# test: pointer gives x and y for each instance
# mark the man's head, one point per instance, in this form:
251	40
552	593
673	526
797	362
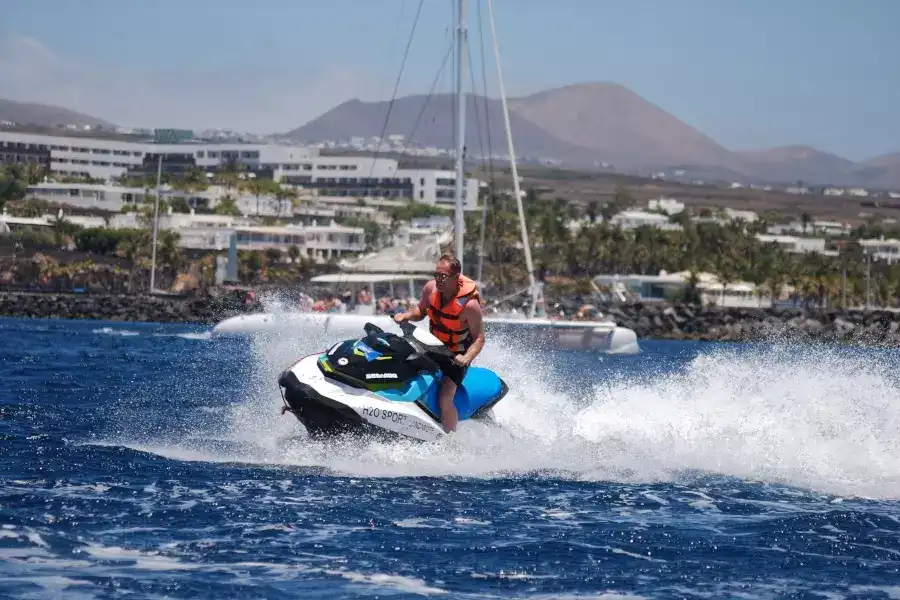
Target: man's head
446	273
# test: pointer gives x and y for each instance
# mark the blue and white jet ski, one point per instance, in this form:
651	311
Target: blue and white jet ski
382	383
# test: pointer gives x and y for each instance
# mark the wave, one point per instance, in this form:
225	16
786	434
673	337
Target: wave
114	331
821	418
198	335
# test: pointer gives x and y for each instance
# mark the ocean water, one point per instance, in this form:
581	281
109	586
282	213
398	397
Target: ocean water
150	461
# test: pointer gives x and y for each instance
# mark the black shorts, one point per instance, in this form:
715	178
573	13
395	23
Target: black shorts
450	369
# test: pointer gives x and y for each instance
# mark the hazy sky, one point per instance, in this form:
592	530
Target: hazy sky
748	73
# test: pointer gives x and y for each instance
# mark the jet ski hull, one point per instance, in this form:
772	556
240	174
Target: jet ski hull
320	415
327	407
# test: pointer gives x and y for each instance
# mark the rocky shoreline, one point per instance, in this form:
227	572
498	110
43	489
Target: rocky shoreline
683	322
649	321
115	307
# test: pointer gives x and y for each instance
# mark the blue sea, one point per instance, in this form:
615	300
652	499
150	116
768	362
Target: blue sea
151	461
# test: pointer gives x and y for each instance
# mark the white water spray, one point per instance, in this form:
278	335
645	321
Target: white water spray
821	418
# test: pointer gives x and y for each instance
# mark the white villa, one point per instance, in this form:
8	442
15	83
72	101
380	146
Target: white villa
213	232
798	245
880	249
821	227
664	286
115	198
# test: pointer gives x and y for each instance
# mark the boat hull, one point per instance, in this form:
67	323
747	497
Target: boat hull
571	335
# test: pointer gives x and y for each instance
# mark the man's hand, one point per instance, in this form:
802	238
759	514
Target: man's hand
401	317
462	360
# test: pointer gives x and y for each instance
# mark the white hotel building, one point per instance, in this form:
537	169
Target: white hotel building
113	198
325	176
213	233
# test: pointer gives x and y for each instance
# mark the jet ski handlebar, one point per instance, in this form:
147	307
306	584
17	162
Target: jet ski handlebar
409	329
422	349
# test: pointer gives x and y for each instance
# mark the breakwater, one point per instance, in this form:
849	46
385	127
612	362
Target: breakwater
685	322
649	321
113	307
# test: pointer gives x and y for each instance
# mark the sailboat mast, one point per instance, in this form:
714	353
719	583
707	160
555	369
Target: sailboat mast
461	39
512	165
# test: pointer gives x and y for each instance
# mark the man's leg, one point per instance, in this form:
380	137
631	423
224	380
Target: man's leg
449	415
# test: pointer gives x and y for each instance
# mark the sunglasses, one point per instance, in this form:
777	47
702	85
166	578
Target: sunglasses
439	277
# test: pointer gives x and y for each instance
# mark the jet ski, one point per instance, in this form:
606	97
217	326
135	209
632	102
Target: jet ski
383	384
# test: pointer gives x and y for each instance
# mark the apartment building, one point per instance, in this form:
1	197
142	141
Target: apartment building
303	167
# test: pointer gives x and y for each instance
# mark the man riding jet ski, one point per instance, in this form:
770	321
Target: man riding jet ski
451	303
383	383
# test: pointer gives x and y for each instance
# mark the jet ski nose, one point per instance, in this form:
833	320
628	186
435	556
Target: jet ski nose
283	378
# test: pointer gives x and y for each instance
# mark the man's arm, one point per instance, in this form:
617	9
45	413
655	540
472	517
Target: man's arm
418	312
471	315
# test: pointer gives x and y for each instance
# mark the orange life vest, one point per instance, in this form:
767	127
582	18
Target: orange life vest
444	319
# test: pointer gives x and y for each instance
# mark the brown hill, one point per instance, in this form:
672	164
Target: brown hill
44	115
430	122
579	124
619	124
879	172
585	123
789	164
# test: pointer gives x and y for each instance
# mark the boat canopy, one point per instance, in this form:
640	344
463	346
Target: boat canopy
370	277
415	258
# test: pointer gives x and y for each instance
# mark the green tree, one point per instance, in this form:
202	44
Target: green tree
227	206
13	183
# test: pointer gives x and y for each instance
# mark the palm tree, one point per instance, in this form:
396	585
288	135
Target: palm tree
805	219
227	206
251	266
34	173
282	195
230	175
13	183
62	228
273	256
195	180
168	254
258	187
133	247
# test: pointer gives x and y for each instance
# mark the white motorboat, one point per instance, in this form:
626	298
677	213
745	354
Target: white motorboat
599	336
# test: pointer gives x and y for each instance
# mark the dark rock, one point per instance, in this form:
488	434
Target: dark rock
649	321
110	307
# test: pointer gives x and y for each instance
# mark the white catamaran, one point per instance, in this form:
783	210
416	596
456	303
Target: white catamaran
410	267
